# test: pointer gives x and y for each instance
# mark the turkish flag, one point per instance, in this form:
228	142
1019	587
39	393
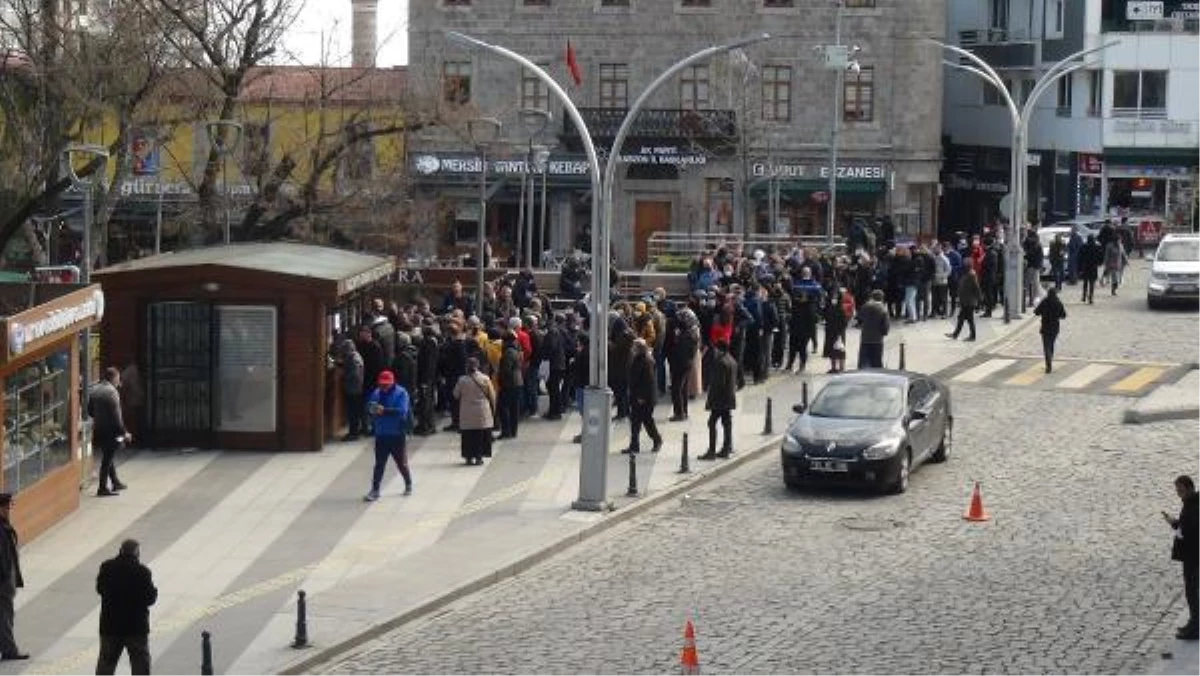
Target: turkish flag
573	65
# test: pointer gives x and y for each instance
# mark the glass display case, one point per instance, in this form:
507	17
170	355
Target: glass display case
37	428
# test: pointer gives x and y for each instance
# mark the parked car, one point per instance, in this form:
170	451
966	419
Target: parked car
869	427
1175	271
1083	225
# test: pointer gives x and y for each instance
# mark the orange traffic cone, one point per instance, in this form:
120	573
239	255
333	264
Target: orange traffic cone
976	511
689	661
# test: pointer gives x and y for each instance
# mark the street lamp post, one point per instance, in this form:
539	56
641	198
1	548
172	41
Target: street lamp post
541	164
1020	116
838	59
86	184
535	121
219	134
593	466
483	132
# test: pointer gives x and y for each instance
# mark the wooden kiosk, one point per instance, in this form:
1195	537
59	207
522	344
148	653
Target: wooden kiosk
231	343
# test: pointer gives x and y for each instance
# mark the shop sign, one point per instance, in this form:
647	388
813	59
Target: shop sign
36	327
849	172
664	155
366	277
1090	164
956	182
1147	171
1150	126
150	187
429	164
1154	10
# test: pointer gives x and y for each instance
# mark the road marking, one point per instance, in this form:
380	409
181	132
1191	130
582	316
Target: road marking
1139	379
1029	376
984	370
1084	376
1094	360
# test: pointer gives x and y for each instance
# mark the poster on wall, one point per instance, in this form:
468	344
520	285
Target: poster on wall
720	205
143	147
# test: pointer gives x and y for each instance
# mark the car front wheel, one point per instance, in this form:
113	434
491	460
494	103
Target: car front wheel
943	449
901	484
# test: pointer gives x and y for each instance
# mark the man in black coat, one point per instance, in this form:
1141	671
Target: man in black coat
10	582
643	395
1186	550
126	591
722	400
554	352
428	351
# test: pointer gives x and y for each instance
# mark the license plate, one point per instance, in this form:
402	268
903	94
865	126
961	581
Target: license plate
1185	288
828	466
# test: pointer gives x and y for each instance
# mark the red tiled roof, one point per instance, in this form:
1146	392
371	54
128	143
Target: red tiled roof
308	83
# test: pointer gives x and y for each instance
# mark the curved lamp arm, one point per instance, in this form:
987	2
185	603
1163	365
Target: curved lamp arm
992	76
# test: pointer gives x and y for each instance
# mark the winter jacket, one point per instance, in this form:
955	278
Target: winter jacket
127	591
722	383
396	412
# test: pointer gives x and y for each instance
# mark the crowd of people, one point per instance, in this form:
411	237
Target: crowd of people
488	366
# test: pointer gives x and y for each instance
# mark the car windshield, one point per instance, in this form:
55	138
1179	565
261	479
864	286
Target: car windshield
1047	236
868	401
1182	250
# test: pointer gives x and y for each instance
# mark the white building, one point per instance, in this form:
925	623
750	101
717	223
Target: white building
1120	138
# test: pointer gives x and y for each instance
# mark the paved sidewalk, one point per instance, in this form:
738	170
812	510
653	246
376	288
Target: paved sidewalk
231	537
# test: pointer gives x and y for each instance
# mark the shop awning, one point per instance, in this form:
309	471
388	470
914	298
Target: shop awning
1161	157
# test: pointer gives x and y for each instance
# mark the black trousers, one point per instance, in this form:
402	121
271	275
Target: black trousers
554	386
425	396
356	414
642	415
111	648
510	410
108	469
870	356
779	345
1190	572
726	418
680	373
1089	290
966	314
939	299
799	339
1048	347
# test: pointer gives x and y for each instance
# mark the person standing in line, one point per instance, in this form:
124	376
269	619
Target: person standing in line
390	406
875	327
642	398
683	345
1091	257
127	591
352	389
108	429
509	379
1052	312
1033	266
476	413
941	280
10	581
722	400
1185	550
969	296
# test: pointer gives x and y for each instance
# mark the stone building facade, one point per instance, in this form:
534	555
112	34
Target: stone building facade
712	147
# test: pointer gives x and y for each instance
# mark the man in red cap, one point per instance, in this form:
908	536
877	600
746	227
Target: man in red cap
388	405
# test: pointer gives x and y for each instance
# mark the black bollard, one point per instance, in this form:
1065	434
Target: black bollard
902	360
683	459
301	621
804	393
206	665
633	487
767	428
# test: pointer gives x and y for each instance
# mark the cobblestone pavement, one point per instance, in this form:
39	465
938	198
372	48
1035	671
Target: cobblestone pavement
1121	326
1071	575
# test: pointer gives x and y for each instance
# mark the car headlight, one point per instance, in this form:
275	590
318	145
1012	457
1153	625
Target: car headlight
791	445
881	450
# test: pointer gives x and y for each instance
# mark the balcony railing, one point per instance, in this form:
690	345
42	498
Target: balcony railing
1166	25
1140	113
991	36
659	123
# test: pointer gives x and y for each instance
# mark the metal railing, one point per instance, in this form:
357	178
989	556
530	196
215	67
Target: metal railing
679	248
659	123
1140	113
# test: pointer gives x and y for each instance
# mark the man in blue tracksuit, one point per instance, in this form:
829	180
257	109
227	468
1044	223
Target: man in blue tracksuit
388	405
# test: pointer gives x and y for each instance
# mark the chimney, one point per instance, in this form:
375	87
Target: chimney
363	33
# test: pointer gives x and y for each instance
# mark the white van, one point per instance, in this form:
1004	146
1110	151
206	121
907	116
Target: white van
1175	272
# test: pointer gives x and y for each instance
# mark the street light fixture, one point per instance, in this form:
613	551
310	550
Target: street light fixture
90	153
483	131
224	136
593	466
535	121
541	164
1020	115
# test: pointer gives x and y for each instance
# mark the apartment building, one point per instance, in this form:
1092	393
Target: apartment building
711	147
1120	138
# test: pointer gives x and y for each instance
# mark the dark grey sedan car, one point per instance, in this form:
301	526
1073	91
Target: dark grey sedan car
869	427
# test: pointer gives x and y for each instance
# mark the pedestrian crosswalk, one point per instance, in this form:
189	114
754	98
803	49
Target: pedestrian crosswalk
1121	378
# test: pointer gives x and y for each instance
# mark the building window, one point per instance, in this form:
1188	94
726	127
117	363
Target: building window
693	88
456	82
998	14
1059	16
1095	92
456	3
695	3
536	3
991	95
777	93
1065	86
858	96
37	421
1140	93
614	3
614	85
534	93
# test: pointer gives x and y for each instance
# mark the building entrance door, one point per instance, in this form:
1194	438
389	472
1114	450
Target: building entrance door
180	374
649	218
